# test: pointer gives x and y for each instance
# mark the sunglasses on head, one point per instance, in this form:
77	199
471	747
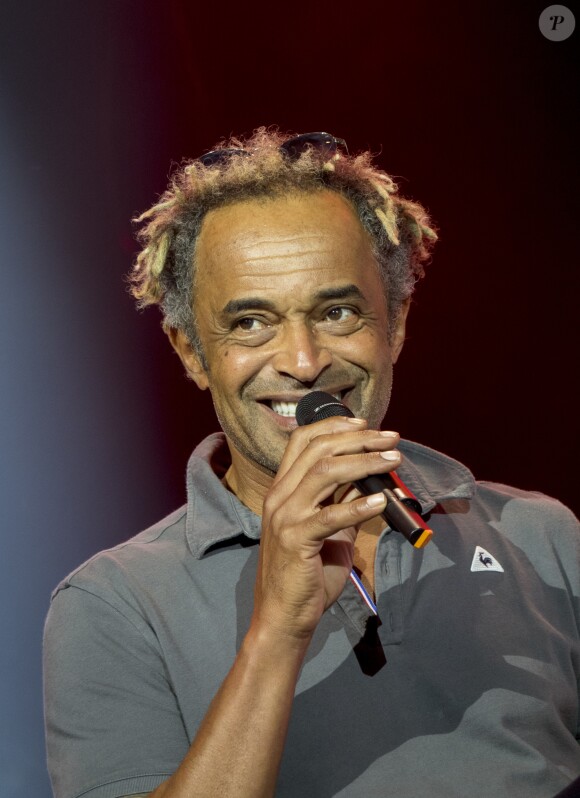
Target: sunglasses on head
324	143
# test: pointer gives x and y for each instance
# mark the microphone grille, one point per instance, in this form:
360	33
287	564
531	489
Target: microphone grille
318	405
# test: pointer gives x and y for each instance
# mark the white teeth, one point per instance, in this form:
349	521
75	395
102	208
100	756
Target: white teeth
284	408
288	409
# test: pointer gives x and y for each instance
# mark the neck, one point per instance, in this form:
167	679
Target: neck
247	480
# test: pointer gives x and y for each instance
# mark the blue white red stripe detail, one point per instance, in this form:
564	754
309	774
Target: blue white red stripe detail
363	591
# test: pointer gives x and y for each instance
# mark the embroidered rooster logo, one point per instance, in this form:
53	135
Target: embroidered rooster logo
483	561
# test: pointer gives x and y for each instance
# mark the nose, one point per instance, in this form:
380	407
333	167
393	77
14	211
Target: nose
300	354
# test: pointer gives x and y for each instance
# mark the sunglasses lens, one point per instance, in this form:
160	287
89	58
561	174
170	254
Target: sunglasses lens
324	143
220	156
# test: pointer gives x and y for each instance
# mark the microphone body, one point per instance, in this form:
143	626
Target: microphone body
402	511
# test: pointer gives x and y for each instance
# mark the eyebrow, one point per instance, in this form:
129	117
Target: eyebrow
350	291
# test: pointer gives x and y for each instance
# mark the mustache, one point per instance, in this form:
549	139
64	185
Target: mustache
262	387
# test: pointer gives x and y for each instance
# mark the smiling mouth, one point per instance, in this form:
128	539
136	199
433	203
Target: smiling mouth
288	409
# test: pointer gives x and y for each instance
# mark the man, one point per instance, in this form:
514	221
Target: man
191	661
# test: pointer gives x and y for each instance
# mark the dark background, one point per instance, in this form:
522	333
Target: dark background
469	105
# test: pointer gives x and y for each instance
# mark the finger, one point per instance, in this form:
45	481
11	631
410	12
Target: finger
346	494
322	479
335	517
328	445
301	437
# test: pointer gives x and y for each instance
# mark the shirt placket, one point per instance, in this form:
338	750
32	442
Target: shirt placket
389	588
388	592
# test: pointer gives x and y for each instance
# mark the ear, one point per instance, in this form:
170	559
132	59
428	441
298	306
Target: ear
188	357
398	337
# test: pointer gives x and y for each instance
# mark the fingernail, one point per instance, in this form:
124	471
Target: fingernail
388	433
356	420
390	455
375	500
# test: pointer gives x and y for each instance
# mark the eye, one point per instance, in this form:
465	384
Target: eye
341	313
250	324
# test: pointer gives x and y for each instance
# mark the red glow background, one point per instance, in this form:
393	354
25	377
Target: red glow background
469	105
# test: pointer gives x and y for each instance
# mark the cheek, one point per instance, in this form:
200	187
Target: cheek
367	349
236	368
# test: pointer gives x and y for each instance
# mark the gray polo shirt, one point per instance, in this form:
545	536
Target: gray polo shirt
466	685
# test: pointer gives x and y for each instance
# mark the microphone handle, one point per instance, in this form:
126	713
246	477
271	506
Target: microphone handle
399	512
402	508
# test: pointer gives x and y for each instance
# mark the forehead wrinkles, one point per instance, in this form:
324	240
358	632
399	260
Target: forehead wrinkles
281	241
307	216
253	247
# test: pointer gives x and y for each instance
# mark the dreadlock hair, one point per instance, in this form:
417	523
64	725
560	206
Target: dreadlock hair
400	231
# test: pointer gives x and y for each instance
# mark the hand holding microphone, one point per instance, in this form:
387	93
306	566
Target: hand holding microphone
307	542
402	509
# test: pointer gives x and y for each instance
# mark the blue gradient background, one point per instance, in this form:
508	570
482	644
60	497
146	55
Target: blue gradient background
98	98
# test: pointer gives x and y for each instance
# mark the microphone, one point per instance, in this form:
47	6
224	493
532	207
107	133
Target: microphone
402	511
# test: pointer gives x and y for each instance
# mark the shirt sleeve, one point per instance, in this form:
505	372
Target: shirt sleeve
113	725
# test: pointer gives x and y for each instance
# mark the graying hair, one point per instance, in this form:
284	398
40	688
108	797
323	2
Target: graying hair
400	231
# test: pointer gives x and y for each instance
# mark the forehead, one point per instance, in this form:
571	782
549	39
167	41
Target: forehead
283	237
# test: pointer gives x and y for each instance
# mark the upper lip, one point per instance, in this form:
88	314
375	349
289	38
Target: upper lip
290	397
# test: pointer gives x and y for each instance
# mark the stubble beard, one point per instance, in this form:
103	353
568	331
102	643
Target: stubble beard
270	463
374	410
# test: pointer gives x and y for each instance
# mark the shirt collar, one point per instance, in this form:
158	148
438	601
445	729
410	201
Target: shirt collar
432	476
215	515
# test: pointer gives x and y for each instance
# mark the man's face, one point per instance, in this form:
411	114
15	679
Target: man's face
288	300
